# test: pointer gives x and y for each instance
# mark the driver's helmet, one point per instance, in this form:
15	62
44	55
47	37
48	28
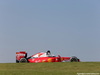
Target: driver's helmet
48	52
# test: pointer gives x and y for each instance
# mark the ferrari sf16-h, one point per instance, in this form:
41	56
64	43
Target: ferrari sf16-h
21	57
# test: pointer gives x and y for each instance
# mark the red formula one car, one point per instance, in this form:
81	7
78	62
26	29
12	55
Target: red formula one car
21	57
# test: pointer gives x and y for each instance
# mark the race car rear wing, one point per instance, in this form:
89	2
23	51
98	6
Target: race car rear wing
19	55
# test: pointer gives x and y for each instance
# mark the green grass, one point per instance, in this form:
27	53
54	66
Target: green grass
65	68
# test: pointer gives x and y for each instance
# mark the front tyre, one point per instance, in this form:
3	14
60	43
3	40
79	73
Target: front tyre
74	59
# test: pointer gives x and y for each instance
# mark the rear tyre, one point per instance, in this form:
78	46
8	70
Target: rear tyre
23	60
74	59
17	61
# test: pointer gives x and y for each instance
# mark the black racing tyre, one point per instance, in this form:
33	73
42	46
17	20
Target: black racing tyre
17	61
74	59
23	60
